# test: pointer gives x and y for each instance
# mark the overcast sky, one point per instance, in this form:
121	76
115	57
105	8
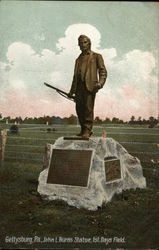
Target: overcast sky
39	43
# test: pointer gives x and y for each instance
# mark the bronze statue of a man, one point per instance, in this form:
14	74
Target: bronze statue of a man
89	76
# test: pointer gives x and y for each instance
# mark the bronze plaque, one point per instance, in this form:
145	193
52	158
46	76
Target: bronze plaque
70	167
112	170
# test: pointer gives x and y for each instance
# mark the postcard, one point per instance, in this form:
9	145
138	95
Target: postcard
79	124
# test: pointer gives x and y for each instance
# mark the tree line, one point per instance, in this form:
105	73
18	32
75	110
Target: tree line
72	119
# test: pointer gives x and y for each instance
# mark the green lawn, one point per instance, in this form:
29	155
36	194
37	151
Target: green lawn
132	214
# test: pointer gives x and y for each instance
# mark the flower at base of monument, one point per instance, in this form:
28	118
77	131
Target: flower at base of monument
104	135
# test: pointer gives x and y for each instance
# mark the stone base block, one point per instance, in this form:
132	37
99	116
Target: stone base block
88	173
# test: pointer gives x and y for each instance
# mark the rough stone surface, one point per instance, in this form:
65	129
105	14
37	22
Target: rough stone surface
98	190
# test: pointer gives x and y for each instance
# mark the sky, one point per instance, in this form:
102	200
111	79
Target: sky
39	43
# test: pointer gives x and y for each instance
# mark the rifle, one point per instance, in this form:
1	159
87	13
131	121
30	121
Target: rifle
61	92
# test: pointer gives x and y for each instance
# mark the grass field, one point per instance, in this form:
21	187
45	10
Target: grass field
132	214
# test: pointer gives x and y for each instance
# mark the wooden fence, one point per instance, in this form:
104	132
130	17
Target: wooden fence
3	139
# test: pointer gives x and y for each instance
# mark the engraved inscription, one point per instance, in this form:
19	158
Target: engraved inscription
70	167
112	170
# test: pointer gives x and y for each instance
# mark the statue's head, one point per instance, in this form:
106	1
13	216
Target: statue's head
84	43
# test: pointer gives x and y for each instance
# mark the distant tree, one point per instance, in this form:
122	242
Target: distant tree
18	120
152	122
41	120
58	120
35	120
29	120
121	121
47	120
144	121
8	118
132	120
72	119
97	120
53	119
151	119
107	120
139	121
64	120
115	120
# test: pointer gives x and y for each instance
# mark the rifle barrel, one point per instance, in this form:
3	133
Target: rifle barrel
58	90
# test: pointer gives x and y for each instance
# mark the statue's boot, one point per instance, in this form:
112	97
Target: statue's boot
87	134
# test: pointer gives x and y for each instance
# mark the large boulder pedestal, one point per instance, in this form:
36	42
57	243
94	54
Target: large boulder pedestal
102	169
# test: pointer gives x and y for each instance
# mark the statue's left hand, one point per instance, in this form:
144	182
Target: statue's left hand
97	87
